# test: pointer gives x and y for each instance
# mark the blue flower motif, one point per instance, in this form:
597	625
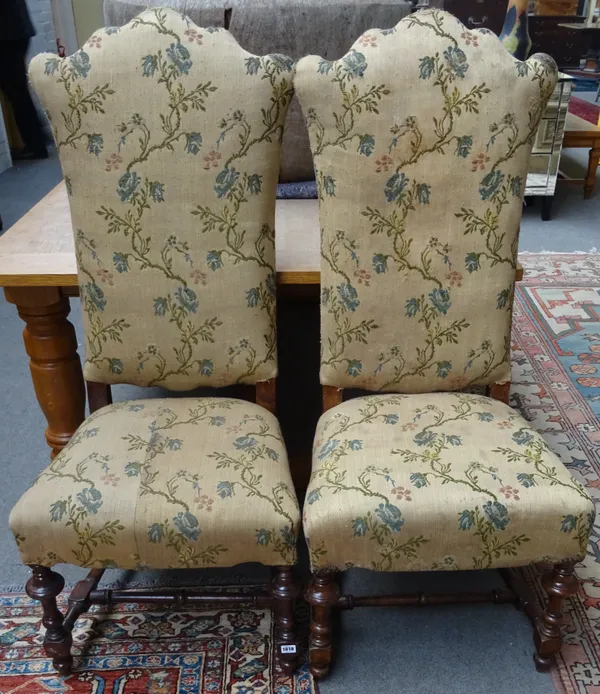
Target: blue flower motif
254	184
225	181
160	306
282	62
423	193
419	480
263	537
288	537
245	443
91	499
180	57
213	260
224	489
187	298
216	421
132	469
466	520
485	416
253	297
443	369
440	300
328	448
328	185
80	63
360	527
348	296
502	299
51	66
354	367
526	479
497	514
157	192
424	438
188	525
313	496
271	284
454	440
95	296
413	306
355	445
128	185
206	367
426	67
463	146
390	418
391	516
568	524
324	67
91	433
272	454
58	510
120	262
522	437
354	63
95	144
472	262
490	184
456	60
115	366
149	65
156	532
252	65
380	263
395	187
174	444
193	143
366	145
522	69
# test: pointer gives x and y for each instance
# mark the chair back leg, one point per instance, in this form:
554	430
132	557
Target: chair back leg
285	589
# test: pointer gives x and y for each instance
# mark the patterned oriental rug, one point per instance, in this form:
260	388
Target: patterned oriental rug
556	385
132	649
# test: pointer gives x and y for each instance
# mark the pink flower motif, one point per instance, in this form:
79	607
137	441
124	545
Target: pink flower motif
509	492
363	277
198	276
470	38
480	161
235	429
212	159
113	161
110	478
105	276
203	501
194	35
383	163
409	426
454	278
503	425
402	493
94	41
368	40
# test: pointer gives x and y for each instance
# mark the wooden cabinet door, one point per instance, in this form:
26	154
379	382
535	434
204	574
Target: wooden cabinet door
479	14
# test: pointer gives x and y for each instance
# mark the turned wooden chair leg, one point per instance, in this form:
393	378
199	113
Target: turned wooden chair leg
44	585
322	594
560	584
284	591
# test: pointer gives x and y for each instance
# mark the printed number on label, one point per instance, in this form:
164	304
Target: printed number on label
288	648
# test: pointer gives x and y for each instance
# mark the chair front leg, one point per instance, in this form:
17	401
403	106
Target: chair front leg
44	585
560	584
284	591
322	594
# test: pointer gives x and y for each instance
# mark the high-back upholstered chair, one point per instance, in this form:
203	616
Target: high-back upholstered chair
421	137
169	140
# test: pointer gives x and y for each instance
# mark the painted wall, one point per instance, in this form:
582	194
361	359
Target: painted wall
88	17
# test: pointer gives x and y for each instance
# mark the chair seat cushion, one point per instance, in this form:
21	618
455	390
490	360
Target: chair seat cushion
438	482
177	482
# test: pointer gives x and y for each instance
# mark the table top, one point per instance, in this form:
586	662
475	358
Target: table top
580	26
575	123
39	249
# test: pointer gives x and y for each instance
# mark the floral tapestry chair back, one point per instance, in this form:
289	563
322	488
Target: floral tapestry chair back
169	140
421	137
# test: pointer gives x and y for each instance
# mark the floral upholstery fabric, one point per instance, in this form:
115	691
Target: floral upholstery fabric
164	483
421	137
438	482
169	138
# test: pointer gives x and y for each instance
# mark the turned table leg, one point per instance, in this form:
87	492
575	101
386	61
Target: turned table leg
55	367
590	179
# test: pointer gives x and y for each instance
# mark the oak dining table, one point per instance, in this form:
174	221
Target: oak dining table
39	275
